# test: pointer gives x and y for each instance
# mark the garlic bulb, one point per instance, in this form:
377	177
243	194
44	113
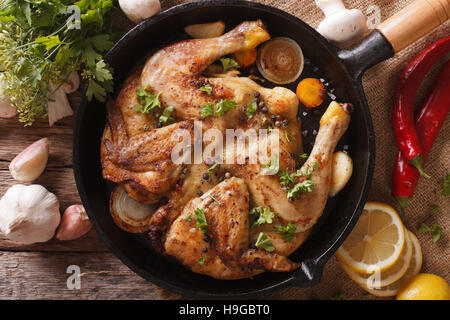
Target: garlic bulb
138	10
28	165
29	214
74	224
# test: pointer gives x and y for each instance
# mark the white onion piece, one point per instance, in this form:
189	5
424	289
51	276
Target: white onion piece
280	60
128	214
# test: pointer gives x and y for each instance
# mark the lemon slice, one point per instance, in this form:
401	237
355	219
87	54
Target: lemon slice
379	279
377	240
413	269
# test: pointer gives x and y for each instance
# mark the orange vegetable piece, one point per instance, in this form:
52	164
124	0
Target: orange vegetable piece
246	58
311	92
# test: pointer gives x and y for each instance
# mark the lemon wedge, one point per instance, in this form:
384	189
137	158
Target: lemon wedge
376	240
378	279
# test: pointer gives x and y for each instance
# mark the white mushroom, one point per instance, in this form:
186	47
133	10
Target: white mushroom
28	214
28	165
341	26
138	10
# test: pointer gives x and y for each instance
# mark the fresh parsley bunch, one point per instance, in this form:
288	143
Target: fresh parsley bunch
40	46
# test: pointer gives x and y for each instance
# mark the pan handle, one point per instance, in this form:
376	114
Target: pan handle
414	21
394	34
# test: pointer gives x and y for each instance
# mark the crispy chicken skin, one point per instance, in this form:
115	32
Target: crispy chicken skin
140	159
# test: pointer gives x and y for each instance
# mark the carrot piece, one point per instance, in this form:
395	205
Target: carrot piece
246	58
311	92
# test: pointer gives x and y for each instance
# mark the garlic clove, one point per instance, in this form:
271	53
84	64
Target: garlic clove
72	84
74	224
342	169
28	165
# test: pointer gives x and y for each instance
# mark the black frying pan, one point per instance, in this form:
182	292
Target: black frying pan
343	68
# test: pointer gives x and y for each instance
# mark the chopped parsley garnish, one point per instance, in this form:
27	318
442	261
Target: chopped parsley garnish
435	231
200	219
287	179
264	242
215	200
289	231
251	109
445	186
212	169
224	105
202	260
288	135
306	186
206	88
262	215
188	218
147	101
229	63
207	110
303	156
273	167
166	116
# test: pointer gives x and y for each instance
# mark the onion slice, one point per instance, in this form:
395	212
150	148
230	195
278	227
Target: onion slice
128	214
280	60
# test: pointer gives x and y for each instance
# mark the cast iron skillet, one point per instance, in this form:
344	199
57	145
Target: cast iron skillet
344	68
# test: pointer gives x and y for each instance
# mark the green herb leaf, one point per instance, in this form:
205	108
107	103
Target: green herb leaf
273	168
423	228
200	219
303	156
306	186
212	169
286	179
445	186
229	63
215	200
264	242
251	109
289	231
147	101
206	88
207	110
224	105
202	260
263	215
102	71
188	218
436	232
48	42
166	116
435	208
95	90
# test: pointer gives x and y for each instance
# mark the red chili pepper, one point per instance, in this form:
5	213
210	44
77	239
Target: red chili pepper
403	111
429	120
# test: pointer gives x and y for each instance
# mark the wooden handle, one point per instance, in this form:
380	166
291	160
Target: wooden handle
414	21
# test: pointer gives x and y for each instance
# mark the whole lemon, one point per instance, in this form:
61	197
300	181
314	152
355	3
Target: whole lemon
424	286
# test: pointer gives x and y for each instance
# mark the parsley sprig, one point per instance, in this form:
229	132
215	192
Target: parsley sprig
435	231
39	49
218	109
264	242
288	231
200	219
261	215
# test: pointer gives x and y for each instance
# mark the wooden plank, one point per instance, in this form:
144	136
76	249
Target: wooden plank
42	275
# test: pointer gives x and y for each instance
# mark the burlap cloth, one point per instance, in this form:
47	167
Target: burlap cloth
379	83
